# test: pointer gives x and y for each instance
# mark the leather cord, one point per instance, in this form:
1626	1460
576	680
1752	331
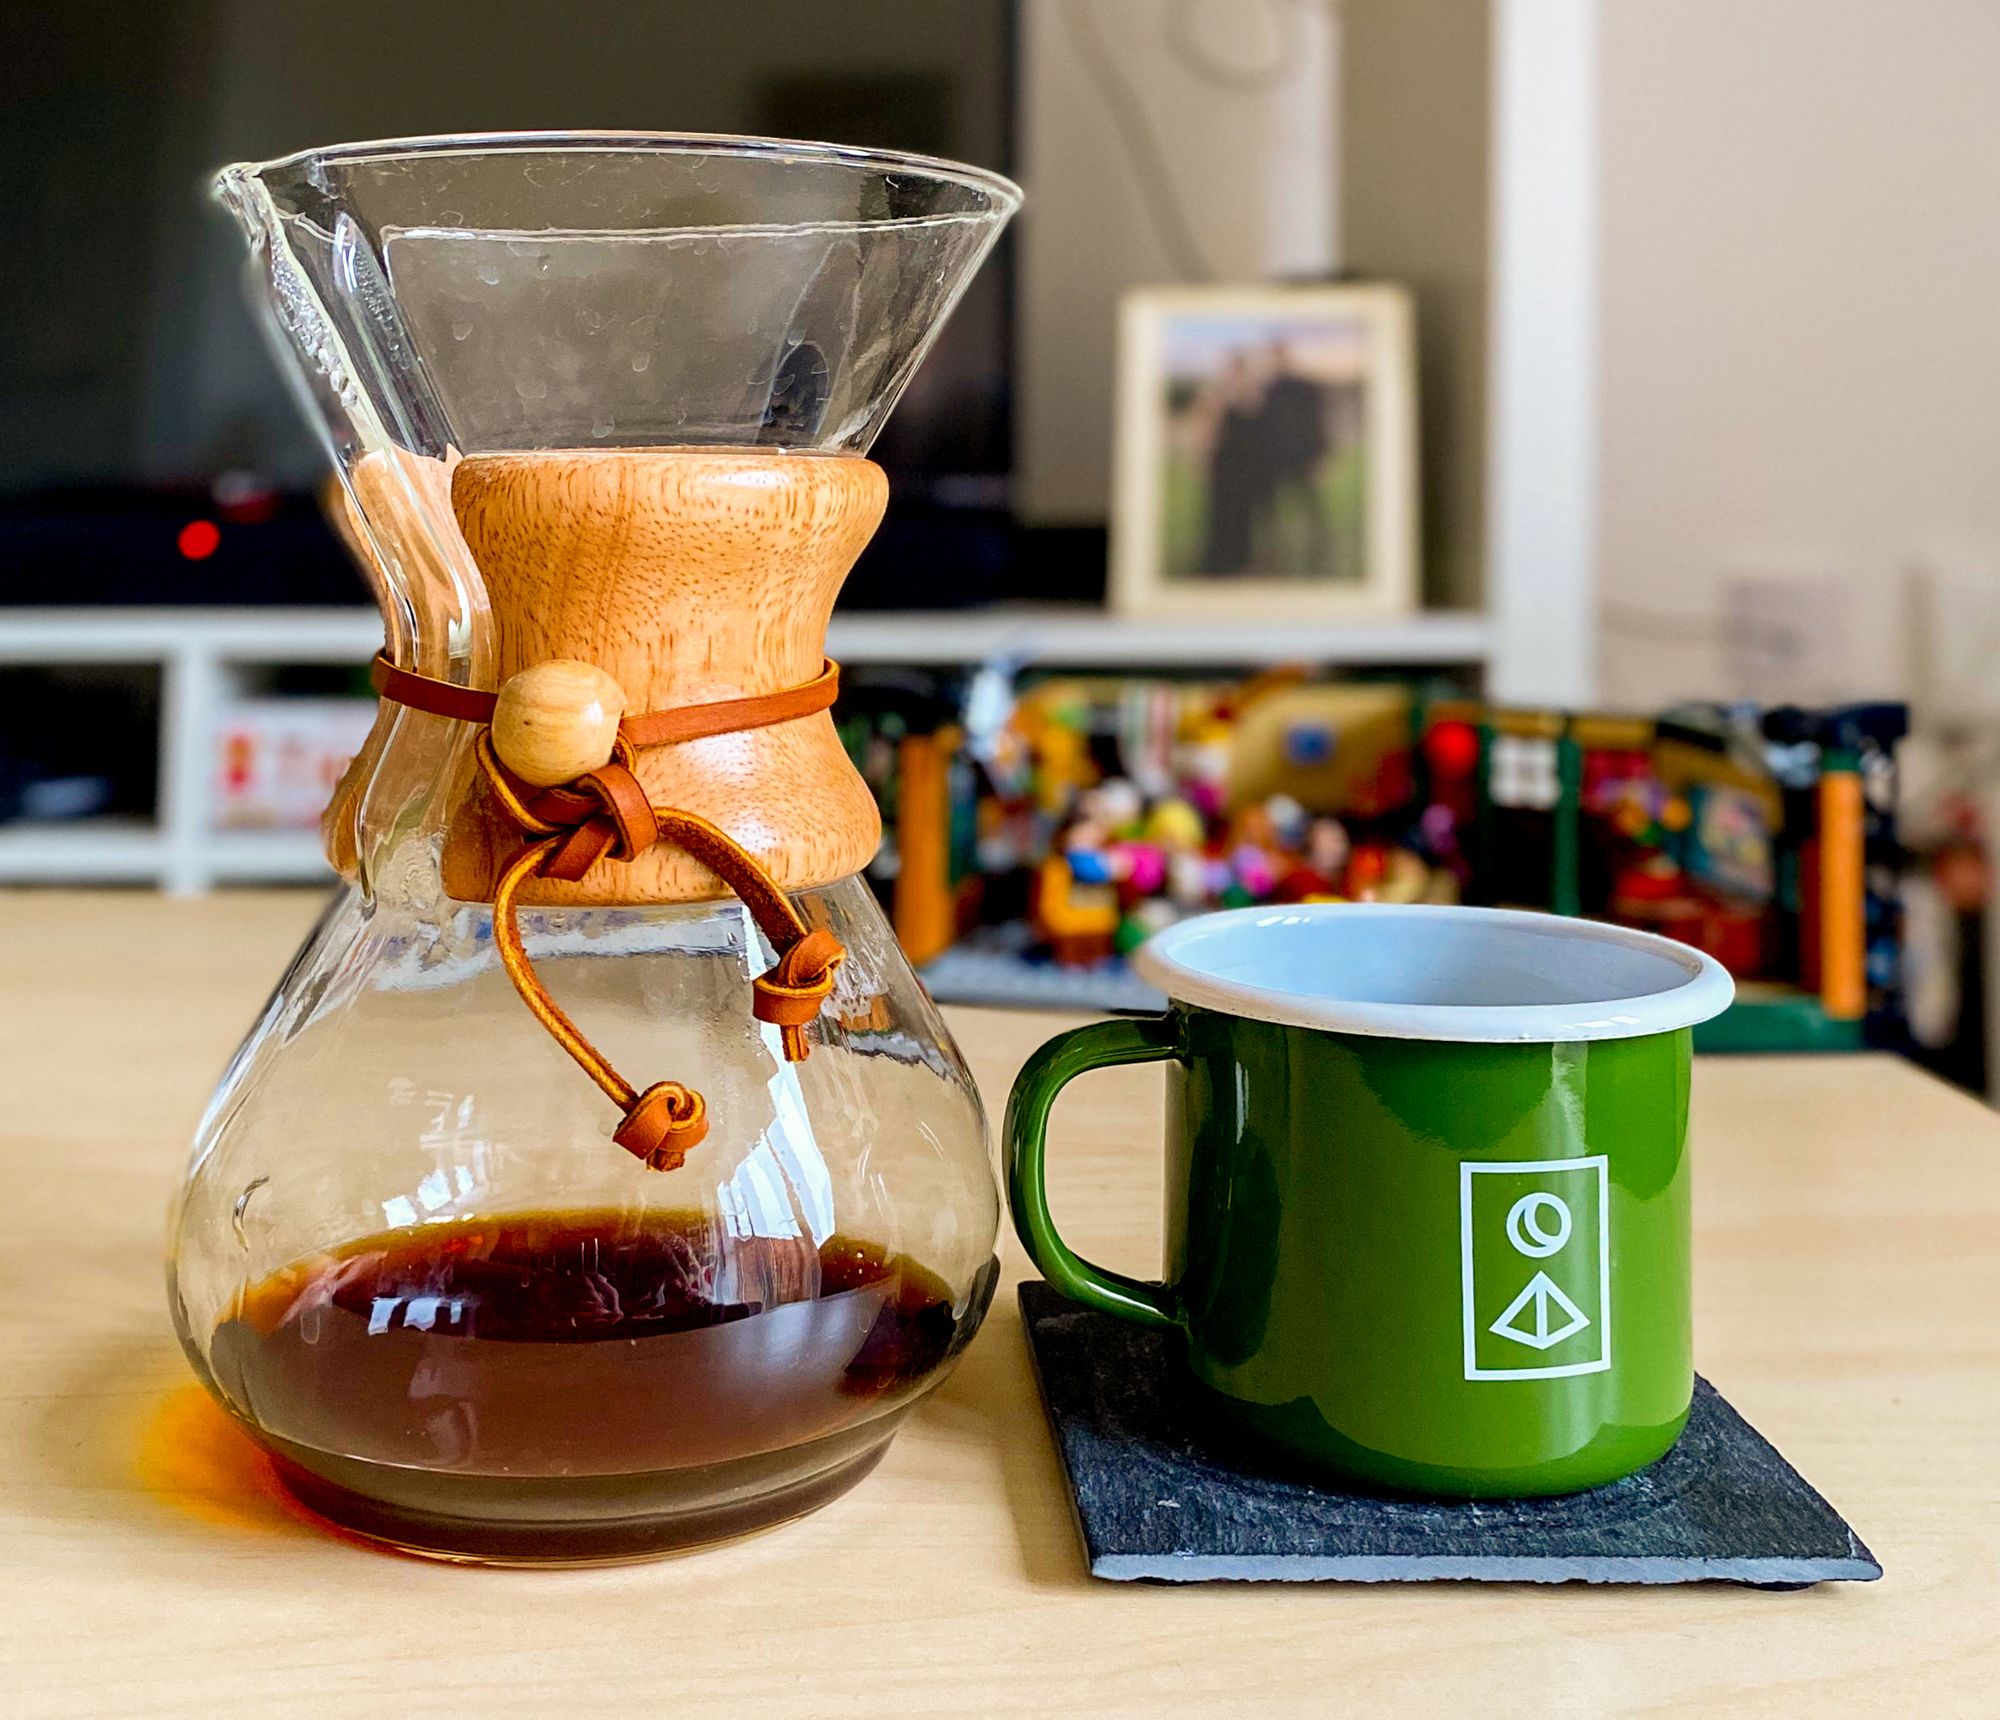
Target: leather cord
607	814
669	727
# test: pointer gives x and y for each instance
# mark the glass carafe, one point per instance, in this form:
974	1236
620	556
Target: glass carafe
604	401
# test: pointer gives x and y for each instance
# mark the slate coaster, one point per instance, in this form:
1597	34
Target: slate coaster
1156	1502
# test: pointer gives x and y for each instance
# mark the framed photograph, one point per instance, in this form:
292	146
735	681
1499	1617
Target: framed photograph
1266	460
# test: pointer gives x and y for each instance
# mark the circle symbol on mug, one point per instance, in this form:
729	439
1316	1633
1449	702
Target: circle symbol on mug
1526	1228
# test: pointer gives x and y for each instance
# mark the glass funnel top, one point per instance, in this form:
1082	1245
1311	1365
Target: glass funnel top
488	294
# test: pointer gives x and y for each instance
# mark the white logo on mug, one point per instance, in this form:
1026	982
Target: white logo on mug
1535	1259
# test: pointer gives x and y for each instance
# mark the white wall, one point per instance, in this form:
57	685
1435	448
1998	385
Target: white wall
1414	120
1141	118
1800	320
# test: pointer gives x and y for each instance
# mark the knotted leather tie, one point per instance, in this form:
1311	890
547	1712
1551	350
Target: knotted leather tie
607	814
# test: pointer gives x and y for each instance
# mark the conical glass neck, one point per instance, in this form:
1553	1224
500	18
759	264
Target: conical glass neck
519	291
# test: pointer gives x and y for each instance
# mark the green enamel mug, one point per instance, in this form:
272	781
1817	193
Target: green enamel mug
1427	1187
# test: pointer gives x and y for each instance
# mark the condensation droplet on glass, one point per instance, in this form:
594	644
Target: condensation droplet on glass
490	273
532	388
461	328
601	428
640	360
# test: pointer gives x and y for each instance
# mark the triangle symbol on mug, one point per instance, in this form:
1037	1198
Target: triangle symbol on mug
1541	1316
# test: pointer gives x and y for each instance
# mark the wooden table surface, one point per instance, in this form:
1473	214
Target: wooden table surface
1848	1249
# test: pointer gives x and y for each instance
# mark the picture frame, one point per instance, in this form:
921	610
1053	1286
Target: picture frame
1265	459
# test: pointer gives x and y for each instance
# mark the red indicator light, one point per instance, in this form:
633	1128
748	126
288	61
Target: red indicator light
1453	749
198	540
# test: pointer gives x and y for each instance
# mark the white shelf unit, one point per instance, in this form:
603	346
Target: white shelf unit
201	651
1090	638
198	652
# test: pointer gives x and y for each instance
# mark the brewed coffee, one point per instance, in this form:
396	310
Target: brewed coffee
558	1375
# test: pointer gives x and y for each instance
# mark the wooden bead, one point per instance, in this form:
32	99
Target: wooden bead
557	721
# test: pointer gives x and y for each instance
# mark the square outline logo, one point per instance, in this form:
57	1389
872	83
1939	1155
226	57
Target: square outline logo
1467	1170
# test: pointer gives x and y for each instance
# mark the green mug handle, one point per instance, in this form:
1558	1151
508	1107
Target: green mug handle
1151	1039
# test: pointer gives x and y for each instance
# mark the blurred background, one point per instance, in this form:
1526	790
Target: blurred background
1693	421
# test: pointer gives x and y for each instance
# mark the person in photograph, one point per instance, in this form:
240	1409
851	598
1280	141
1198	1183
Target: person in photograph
1290	429
1237	483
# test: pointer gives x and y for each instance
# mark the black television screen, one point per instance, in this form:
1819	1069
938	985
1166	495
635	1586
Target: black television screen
137	396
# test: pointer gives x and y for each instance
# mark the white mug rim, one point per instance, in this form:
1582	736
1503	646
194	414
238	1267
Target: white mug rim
1698	987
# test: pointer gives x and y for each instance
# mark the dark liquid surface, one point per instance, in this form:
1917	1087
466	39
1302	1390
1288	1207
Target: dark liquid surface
582	1384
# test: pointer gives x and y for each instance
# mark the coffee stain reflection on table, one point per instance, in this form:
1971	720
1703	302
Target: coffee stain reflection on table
193	1458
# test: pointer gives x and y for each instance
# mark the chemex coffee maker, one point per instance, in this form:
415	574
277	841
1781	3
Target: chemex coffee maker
599	1180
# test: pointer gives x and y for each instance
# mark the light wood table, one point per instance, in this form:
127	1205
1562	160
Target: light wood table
1848	1242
